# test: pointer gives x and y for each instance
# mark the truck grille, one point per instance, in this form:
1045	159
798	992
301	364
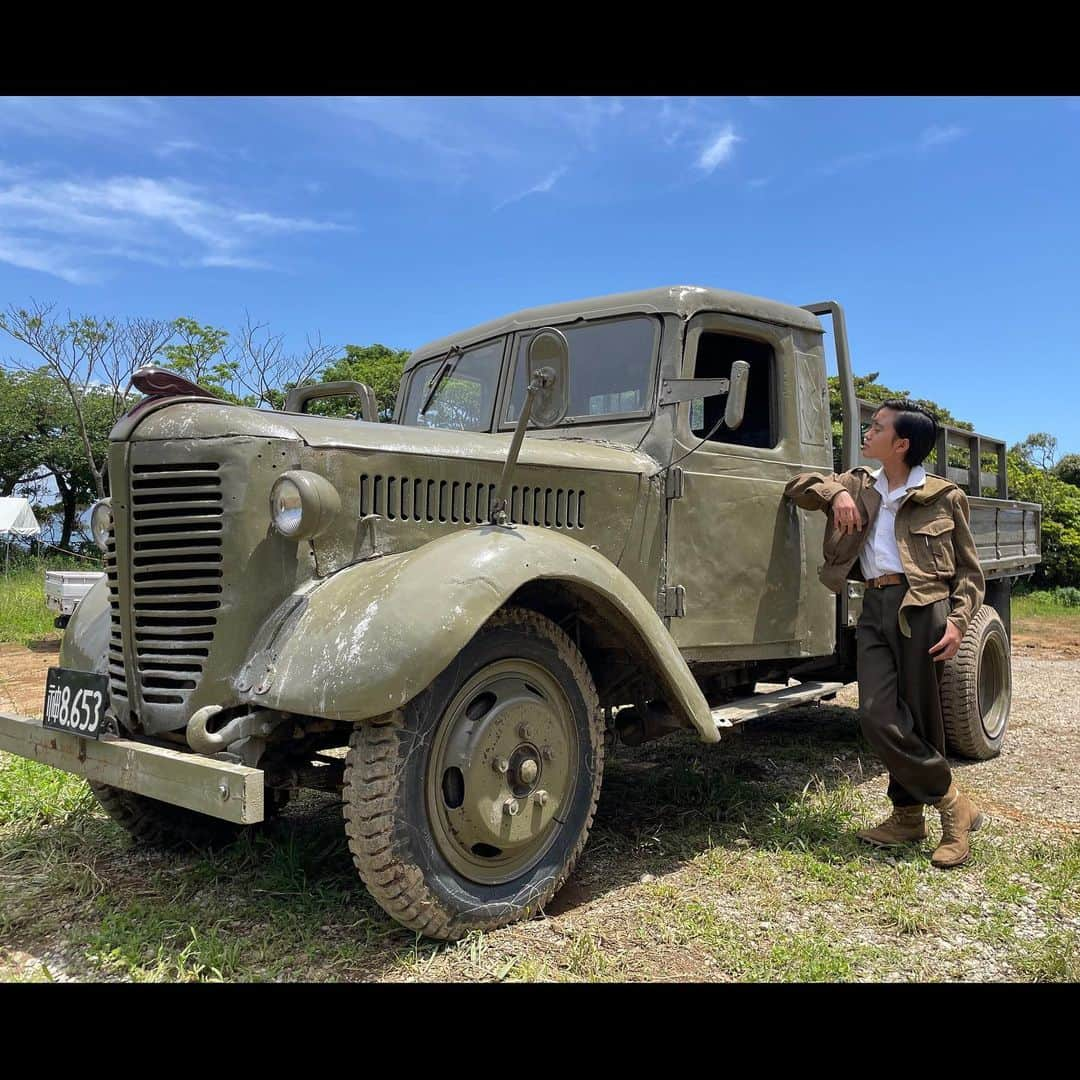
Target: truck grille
176	577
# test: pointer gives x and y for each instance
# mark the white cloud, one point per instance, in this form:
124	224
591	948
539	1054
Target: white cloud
162	222
540	188
936	136
719	149
178	146
933	136
759	182
46	259
80	117
675	118
493	143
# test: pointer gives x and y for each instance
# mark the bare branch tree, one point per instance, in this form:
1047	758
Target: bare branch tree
87	356
266	371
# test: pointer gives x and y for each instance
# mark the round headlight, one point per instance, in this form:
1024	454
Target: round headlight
286	507
101	521
303	504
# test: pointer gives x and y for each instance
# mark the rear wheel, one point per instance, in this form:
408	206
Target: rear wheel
467	808
976	689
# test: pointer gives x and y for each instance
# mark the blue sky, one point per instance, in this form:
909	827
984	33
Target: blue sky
949	228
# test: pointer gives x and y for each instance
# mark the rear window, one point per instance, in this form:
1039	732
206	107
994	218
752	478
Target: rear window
611	365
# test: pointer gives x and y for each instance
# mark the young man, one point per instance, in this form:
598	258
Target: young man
908	533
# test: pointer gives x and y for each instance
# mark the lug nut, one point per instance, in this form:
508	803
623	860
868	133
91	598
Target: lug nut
500	764
523	731
511	807
541	797
529	770
546	753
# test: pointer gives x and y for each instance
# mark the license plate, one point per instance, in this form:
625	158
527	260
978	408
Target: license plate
75	701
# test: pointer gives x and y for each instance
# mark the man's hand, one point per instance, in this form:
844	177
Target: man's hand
846	516
949	645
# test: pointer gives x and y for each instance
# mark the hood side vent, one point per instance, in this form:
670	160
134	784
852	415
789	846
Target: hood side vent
456	502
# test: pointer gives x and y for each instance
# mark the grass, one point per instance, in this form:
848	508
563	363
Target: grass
24	618
781	894
729	864
1036	605
23	615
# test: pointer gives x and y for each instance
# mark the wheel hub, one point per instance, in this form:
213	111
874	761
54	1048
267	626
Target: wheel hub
501	769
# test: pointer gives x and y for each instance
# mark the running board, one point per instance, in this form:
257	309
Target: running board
735	712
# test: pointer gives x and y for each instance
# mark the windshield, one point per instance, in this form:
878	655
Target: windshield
465	399
610	369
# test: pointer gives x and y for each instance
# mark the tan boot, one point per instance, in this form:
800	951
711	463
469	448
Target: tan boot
903	826
959	818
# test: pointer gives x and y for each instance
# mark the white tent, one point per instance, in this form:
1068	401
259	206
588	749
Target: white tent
17	519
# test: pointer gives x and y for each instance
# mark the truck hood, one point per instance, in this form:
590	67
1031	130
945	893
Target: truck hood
187	418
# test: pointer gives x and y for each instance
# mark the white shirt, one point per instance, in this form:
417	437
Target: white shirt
880	555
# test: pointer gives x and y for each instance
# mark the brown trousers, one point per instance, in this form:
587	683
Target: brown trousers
899	694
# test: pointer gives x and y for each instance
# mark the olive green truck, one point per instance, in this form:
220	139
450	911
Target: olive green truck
572	531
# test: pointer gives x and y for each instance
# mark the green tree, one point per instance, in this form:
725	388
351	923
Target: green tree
92	359
201	353
869	389
1068	469
43	441
377	365
1039	449
1060	519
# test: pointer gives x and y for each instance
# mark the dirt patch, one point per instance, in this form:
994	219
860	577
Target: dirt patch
1046	637
22	675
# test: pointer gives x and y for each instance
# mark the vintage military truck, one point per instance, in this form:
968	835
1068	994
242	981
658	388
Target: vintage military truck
446	620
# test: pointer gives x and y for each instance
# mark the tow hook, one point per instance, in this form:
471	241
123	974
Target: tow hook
259	722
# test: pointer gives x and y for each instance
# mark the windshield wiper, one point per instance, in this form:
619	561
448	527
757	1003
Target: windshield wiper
440	376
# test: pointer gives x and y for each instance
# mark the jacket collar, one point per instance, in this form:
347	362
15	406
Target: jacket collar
934	486
916	479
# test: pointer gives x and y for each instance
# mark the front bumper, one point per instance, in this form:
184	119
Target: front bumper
216	788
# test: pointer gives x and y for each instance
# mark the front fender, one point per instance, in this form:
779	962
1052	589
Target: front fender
366	640
86	638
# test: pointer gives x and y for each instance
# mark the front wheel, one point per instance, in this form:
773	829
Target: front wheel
160	824
467	808
976	689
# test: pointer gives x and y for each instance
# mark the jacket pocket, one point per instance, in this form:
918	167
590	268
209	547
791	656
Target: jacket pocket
933	545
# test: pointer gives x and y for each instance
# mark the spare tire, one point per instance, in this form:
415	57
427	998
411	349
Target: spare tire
976	689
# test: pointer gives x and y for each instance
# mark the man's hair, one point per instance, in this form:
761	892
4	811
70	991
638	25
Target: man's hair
915	424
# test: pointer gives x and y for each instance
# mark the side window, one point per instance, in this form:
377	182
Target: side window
716	353
611	365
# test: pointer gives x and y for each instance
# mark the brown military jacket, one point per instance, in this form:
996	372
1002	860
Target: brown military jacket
934	539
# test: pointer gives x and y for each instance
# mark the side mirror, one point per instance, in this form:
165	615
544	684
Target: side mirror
736	399
549	358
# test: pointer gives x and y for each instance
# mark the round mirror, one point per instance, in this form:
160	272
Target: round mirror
549	354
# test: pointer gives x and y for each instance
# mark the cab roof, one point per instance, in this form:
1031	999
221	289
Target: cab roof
682	300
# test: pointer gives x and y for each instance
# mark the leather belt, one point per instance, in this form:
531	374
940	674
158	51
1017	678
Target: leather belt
886	579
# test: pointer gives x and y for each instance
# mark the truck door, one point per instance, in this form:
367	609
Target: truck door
746	559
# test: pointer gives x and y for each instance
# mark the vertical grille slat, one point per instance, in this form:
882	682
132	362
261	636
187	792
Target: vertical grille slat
175	577
117	678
